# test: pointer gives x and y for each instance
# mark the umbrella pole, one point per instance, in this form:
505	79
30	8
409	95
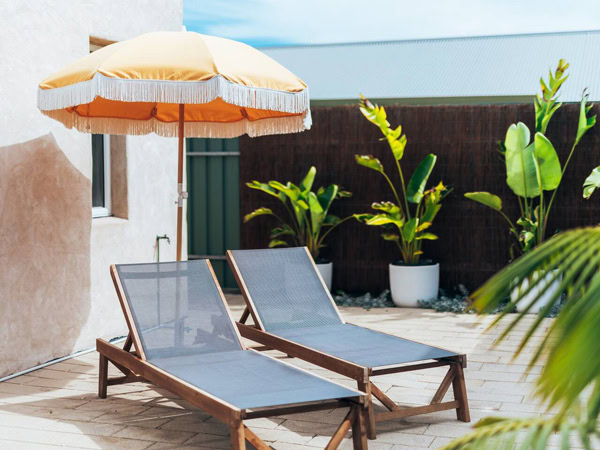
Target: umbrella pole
180	192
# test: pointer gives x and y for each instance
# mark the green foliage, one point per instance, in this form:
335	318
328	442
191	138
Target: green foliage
416	185
309	220
591	183
546	105
533	168
487	199
403	225
501	433
585	122
570	379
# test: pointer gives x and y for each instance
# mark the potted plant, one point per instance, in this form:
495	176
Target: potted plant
533	173
411	277
309	221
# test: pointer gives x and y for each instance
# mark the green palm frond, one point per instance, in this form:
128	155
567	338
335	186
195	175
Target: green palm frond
500	433
570	346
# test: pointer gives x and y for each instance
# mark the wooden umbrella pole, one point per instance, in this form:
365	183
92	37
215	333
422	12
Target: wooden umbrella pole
180	193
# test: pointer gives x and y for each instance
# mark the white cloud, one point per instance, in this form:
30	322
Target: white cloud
322	21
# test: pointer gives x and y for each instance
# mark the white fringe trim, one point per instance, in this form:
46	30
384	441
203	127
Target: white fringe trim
101	125
163	91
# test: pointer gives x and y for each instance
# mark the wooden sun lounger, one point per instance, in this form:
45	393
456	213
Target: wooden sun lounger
304	322
165	348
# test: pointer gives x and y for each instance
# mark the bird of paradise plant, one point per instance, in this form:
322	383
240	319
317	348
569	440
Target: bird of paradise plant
533	167
405	225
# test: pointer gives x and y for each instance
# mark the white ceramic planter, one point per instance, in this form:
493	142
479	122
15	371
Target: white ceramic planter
326	271
412	283
544	299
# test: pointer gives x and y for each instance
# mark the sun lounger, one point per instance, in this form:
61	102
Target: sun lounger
294	312
185	341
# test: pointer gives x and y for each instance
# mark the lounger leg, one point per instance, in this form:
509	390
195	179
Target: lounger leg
366	388
460	394
128	343
103	376
245	315
238	439
359	428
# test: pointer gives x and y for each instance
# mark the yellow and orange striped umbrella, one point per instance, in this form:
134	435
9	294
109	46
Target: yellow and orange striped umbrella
177	84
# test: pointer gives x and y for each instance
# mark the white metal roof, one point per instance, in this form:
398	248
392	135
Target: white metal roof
486	66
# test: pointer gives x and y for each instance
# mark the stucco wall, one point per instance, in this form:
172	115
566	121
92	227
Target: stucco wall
38	37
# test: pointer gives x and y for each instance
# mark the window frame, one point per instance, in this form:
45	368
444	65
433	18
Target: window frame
104	211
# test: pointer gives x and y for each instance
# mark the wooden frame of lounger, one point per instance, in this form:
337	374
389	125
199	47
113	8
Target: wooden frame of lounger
135	368
454	377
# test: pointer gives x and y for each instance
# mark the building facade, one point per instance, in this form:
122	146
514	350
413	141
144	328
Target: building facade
56	295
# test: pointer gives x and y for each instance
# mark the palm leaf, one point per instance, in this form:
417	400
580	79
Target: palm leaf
570	345
574	336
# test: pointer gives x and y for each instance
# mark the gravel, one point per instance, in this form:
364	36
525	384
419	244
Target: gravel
455	300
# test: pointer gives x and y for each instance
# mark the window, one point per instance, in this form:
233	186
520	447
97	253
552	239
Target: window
100	175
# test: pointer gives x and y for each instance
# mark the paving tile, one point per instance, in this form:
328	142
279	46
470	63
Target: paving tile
209	440
213	427
165	446
18	409
373	445
519	368
523	408
88	428
187	422
40	402
16	445
287	446
58	405
402	426
68	439
153	434
406	439
305	427
23	421
333	417
137	420
449	430
439	442
493	397
266	422
500	387
66	414
114	407
479	375
284	435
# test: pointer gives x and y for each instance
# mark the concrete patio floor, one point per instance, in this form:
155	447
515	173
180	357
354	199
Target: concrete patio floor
58	405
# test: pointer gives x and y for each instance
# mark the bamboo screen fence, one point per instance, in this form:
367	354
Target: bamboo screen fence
474	240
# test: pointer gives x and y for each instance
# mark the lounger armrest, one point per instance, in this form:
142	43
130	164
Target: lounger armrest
341	366
192	394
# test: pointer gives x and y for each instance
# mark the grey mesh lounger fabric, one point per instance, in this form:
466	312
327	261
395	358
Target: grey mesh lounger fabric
185	329
291	302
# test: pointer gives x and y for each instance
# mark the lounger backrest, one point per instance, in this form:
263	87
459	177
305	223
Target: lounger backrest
284	288
177	309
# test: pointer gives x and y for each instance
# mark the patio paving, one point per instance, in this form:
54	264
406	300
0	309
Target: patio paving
58	405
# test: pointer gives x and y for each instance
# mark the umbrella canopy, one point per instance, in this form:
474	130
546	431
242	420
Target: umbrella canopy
177	84
134	87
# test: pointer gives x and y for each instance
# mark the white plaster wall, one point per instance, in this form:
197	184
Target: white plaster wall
152	183
37	37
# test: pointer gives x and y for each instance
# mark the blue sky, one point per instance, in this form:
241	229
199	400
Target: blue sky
291	22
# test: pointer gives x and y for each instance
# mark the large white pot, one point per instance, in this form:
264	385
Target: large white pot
544	299
412	283
326	271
